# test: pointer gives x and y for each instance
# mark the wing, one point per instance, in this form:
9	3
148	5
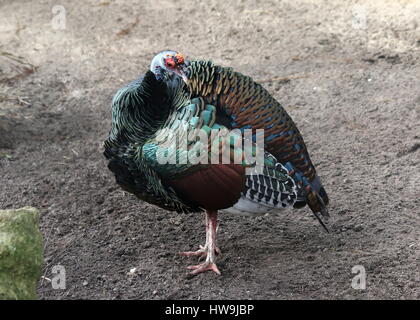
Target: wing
182	153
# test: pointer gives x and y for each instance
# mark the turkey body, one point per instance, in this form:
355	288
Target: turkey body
151	114
146	107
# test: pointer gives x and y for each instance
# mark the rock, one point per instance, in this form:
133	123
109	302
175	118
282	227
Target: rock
21	251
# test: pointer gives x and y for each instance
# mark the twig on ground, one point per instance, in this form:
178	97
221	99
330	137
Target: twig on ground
127	30
21	100
283	79
17	64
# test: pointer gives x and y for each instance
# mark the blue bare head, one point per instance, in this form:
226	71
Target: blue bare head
169	61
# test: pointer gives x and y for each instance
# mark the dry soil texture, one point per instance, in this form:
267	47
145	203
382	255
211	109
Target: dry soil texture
353	90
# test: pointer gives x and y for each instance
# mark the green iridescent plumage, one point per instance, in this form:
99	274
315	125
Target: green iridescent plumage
138	112
170	150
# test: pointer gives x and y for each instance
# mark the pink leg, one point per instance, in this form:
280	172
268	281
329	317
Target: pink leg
202	252
209	250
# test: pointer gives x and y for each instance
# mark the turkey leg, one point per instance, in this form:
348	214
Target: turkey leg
209	250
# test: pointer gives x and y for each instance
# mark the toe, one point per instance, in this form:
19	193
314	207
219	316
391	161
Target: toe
193	253
204	267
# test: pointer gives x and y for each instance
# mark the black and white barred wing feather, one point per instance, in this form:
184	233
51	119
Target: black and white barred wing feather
268	188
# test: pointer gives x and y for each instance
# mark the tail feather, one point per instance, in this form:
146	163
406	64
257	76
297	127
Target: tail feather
318	201
323	194
321	221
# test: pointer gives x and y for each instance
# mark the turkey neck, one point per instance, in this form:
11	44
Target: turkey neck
139	110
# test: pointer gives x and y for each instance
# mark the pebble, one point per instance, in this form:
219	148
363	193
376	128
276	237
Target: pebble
358	228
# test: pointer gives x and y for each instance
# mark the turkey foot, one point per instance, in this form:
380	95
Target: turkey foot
209	250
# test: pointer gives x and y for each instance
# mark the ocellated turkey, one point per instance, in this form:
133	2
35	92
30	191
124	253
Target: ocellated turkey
177	96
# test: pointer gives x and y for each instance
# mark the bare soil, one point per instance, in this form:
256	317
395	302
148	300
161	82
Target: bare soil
350	83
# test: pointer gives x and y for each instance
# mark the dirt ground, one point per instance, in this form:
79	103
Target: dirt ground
352	86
